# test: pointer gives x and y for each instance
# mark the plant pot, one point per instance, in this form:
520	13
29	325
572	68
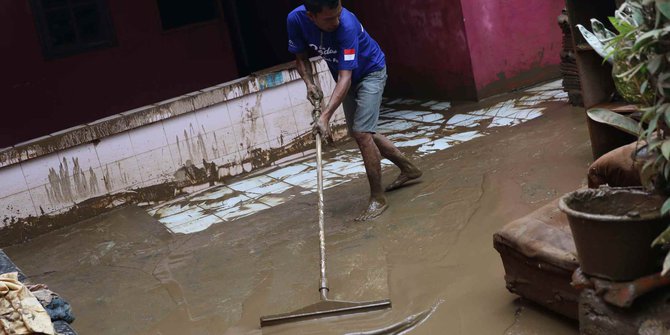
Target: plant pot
613	229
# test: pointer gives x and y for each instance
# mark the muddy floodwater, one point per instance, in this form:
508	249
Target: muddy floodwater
431	252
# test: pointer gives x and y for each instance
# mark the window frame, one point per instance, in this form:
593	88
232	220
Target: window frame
108	34
217	17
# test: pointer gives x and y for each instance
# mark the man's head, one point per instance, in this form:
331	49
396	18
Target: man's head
324	13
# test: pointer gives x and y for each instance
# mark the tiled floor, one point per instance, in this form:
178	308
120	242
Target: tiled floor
429	129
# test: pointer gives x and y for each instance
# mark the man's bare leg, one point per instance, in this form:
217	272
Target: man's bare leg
372	159
408	171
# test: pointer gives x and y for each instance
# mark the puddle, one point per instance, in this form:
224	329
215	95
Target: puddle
239	251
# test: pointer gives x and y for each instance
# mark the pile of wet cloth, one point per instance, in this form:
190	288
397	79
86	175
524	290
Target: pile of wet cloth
29	309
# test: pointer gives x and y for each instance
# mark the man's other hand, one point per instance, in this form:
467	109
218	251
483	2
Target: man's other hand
322	127
314	95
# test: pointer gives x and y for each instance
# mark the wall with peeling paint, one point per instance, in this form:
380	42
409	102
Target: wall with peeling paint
464	50
146	65
425	45
512	43
199	138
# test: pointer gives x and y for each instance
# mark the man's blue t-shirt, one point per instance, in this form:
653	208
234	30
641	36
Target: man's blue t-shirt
349	47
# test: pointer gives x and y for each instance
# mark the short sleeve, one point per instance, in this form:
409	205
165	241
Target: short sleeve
348	41
296	42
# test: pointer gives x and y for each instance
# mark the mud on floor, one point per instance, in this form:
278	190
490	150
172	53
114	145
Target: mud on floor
430	253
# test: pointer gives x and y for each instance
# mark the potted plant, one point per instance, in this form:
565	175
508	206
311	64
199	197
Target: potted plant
614	228
615	49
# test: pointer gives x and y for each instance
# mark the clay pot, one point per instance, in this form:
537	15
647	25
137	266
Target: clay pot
613	229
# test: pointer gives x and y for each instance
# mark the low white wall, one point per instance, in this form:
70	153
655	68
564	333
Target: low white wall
226	125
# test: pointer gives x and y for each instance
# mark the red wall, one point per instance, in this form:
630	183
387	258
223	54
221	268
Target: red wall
513	43
425	44
147	65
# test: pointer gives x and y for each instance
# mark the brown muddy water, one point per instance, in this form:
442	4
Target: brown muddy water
431	253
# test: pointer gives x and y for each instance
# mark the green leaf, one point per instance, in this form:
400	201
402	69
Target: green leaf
643	87
663	6
664	237
613	119
621	26
654	63
666	265
653	146
666	113
653	124
666	207
665	149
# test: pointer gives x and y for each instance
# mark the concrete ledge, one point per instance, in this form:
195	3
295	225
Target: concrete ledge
157	151
115	124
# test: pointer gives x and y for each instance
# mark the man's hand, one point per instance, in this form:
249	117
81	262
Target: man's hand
322	127
314	95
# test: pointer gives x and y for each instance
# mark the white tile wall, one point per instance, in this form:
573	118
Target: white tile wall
85	155
251	133
275	99
89	190
148	138
12	181
213	118
303	117
239	109
36	171
46	204
114	148
297	92
123	174
214	148
226	136
18	205
281	125
180	127
156	165
151	154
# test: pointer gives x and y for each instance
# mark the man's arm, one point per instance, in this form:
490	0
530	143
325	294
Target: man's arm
340	91
304	66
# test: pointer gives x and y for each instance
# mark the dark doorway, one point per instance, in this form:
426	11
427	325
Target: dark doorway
258	29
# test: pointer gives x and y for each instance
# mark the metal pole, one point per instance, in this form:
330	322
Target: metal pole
323	285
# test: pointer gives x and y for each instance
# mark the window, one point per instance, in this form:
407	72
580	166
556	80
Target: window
179	13
68	27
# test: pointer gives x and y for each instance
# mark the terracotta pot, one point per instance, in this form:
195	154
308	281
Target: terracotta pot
613	229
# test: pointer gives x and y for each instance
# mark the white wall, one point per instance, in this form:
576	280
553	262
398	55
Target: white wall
224	124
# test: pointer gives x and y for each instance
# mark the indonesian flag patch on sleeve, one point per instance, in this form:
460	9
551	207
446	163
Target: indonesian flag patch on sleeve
349	54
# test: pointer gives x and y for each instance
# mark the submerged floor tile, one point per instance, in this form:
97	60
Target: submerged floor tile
247	184
241	211
275	200
464	137
466	120
441	106
216	194
427	131
275	187
405	115
194	226
228	201
435	146
288	171
412	143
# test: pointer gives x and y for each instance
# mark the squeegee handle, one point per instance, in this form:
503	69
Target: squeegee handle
323	285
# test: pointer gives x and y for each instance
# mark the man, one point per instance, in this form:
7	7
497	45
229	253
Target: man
358	66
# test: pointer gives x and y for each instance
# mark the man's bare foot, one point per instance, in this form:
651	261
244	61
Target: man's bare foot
410	174
375	208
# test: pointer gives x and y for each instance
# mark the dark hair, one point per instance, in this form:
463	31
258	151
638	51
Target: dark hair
315	6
